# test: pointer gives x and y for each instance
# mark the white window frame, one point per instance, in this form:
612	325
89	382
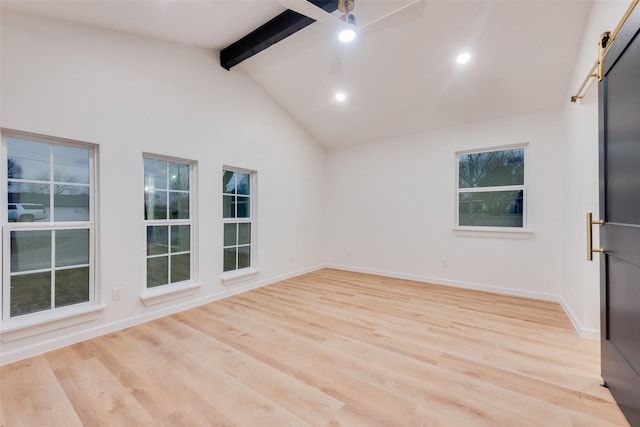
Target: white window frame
71	314
161	293
470	230
233	276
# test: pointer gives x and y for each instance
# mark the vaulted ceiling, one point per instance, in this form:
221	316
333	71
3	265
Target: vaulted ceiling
400	77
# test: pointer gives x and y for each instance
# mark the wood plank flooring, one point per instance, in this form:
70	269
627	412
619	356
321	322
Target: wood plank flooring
330	348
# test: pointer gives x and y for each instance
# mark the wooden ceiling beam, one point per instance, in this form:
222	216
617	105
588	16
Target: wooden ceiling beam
277	29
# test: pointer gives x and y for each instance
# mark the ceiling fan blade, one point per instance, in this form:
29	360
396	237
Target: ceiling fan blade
312	11
406	13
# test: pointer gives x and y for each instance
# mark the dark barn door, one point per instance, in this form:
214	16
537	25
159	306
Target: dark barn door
620	209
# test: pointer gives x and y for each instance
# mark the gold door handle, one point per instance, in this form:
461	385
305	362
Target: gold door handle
590	248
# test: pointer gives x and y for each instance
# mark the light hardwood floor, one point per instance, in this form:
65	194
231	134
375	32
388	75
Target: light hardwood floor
329	348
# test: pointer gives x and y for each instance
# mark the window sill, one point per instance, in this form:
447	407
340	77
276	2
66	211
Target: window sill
494	232
236	276
168	292
39	323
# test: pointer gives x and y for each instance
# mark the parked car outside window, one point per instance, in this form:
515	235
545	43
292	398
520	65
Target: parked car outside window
26	212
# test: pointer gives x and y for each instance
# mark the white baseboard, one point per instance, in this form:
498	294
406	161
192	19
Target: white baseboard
586	333
454	283
96	331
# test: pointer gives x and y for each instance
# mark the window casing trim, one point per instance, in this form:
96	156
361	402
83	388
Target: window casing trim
160	294
236	276
524	145
46	321
494	232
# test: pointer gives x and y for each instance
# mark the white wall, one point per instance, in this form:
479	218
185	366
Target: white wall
580	284
132	95
392	209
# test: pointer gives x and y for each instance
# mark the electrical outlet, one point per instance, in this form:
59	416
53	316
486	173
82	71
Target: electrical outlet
349	253
116	294
445	263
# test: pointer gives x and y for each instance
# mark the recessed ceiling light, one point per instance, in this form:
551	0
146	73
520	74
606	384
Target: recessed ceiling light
341	96
463	58
347	35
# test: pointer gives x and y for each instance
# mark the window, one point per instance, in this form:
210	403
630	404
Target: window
491	188
49	232
168	221
239	230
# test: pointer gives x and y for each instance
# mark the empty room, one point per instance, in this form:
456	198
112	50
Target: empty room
323	213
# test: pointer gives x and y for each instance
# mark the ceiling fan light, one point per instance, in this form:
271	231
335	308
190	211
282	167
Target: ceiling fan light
463	58
346	36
